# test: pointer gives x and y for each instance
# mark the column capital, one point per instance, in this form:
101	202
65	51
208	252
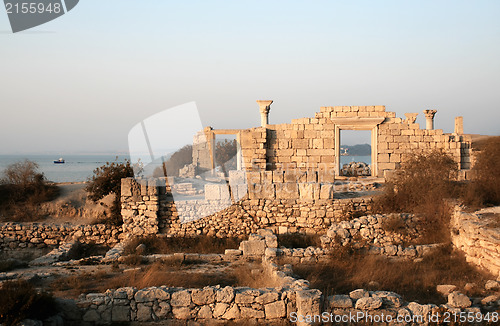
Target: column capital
264	105
411	117
430	113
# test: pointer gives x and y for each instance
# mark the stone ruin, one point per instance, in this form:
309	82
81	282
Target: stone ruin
314	143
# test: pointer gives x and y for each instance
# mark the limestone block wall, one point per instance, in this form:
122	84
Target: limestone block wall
479	242
41	235
147	208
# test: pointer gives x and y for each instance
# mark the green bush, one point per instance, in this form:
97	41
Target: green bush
20	300
107	180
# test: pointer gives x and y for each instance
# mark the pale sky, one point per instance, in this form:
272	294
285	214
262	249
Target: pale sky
80	83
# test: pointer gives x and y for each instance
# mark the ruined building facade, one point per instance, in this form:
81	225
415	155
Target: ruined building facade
314	143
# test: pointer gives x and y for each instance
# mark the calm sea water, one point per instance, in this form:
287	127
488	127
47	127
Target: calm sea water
349	159
76	167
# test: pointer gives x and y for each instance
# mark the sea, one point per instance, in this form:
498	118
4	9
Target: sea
348	159
78	168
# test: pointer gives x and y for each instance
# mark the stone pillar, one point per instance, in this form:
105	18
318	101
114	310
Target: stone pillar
459	125
429	119
265	107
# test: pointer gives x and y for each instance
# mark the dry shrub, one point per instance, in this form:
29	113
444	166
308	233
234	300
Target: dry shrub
350	269
298	240
396	224
422	186
202	244
20	300
22	189
484	189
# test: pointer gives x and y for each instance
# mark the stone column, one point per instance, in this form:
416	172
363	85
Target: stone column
429	119
459	125
265	107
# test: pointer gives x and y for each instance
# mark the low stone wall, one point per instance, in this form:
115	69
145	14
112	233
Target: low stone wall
148	208
372	231
480	243
41	235
249	215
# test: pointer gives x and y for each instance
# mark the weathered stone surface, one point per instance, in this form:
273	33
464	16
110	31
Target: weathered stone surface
203	296
275	310
205	312
459	300
225	295
181	299
251	313
446	289
232	313
267	298
120	313
358	294
389	299
253	248
144	313
182	312
492	285
220	309
369	303
308	303
151	294
339	301
91	316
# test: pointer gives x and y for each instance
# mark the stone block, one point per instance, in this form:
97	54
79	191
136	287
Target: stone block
459	300
181	299
120	313
203	296
253	248
289	190
275	310
326	191
212	192
237	177
369	303
308	303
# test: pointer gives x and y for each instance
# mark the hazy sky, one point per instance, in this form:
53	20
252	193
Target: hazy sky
82	81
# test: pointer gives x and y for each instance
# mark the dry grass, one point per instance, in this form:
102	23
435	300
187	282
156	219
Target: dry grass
171	273
20	300
201	244
423	186
484	189
350	269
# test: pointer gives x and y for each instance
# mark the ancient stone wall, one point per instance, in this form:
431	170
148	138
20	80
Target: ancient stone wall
313	143
40	235
480	242
147	208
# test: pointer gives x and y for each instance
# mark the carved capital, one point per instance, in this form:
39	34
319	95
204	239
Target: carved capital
429	114
411	117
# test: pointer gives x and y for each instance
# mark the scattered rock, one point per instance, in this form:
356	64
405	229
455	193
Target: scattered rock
446	289
369	303
459	300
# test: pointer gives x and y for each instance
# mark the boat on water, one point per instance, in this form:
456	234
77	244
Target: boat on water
59	161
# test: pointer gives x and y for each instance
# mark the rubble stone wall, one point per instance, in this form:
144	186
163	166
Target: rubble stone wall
479	242
147	208
41	235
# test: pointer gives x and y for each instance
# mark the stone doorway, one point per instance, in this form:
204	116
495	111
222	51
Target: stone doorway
357	123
